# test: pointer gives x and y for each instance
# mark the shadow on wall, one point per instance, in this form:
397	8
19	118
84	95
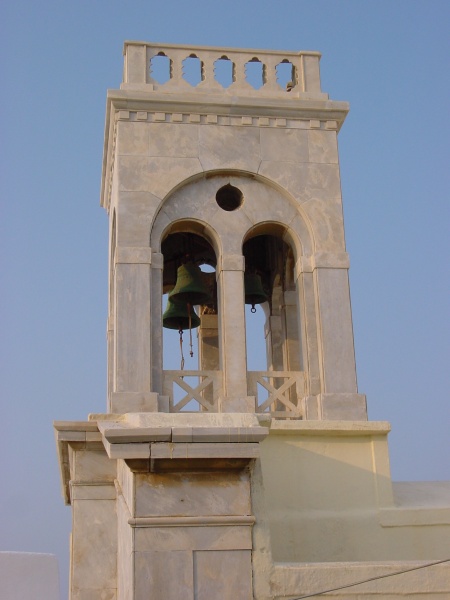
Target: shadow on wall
330	499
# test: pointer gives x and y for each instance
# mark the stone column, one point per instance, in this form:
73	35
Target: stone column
308	327
208	349
274	343
230	281
208	343
184	532
339	395
132	356
89	480
156	332
292	356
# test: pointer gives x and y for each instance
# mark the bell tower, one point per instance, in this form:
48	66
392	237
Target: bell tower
245	179
224	160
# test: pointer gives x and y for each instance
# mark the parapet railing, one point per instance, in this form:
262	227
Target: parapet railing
278	393
192	390
230	71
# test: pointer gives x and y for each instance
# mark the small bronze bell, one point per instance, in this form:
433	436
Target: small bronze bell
176	316
189	288
181	317
254	293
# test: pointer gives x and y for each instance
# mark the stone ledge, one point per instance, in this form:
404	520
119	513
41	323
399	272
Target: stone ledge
75	425
188	451
340	428
203	450
182	428
312	578
414	517
203	521
307	108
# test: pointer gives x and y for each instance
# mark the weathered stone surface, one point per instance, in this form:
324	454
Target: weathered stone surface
163	574
223	574
204	538
289	145
229	148
193	494
94	546
323	147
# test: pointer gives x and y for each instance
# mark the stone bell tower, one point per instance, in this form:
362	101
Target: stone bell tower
172	151
194	493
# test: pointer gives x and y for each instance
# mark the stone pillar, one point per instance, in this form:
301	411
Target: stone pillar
184	504
327	336
338	355
230	284
204	554
93	498
274	342
292	357
132	373
308	329
156	331
208	349
208	343
339	398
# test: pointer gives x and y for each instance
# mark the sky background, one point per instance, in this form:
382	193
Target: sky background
389	59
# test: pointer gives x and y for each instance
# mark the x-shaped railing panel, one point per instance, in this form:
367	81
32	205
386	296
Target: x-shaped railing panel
197	392
292	386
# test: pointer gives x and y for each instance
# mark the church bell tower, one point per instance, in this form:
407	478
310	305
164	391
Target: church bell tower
222	188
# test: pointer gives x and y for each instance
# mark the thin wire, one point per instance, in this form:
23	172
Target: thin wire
343	587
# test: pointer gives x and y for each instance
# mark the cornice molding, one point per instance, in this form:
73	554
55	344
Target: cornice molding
139	106
201	521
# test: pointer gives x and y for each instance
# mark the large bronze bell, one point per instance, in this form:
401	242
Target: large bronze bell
189	288
176	316
254	293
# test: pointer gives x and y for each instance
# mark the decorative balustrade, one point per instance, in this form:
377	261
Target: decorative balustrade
278	393
205	393
229	71
281	394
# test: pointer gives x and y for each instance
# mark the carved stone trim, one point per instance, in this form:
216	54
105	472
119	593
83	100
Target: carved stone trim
216	521
224	119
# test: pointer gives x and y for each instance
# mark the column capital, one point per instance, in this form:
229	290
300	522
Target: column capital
133	255
231	262
321	260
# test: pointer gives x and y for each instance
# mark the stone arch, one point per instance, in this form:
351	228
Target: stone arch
266	208
190	225
265	204
271	250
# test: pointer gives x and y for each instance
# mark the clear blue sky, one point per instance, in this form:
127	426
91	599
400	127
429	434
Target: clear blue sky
389	59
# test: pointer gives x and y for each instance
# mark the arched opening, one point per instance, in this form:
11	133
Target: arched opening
193	217
190	327
274	361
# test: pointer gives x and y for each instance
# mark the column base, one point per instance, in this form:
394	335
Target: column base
126	402
336	407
